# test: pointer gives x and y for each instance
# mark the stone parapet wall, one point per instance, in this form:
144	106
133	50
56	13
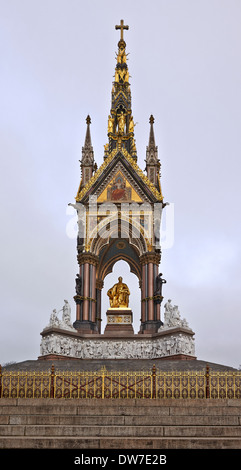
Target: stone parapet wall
176	342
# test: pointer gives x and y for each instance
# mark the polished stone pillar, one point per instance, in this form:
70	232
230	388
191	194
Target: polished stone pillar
93	293
86	292
150	292
86	302
150	317
143	295
99	287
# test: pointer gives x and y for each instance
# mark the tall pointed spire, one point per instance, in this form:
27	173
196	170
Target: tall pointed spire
120	120
151	135
87	162
88	143
152	162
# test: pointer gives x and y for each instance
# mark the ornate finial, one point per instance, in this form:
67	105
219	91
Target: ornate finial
88	120
151	120
121	27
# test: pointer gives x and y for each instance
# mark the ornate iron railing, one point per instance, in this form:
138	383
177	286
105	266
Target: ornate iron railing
151	384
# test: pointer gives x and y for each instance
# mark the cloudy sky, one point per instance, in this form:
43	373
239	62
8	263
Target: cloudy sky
57	65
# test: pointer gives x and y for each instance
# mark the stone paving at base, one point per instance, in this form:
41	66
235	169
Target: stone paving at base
116	365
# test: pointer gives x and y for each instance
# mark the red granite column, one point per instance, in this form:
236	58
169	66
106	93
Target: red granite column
78	312
158	312
78	305
86	298
150	292
86	291
143	294
93	294
150	310
99	287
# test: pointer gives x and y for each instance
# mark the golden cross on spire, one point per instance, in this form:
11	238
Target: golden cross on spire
122	27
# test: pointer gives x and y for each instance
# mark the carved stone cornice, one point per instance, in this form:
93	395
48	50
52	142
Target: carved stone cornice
89	258
99	284
151	257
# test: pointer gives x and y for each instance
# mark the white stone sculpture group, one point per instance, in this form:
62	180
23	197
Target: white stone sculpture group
172	317
65	323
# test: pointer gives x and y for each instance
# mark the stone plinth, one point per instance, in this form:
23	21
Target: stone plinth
119	322
176	343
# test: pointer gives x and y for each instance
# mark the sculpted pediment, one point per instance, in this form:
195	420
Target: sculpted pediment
119	169
119	188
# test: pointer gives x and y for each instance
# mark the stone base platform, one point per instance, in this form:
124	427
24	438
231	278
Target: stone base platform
162	364
175	343
116	331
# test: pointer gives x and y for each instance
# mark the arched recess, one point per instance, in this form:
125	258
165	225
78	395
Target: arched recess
116	250
121	268
122	241
115	239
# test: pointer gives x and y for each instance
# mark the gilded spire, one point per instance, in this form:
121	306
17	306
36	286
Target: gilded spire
120	120
121	141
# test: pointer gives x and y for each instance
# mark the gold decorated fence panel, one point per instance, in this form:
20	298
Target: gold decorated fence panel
25	384
101	384
181	384
225	385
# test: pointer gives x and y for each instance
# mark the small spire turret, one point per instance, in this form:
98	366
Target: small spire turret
152	162
87	162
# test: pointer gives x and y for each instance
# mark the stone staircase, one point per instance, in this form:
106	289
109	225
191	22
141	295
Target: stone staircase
120	424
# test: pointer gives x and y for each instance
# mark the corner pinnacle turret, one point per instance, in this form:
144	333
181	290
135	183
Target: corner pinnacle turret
87	161
152	162
120	120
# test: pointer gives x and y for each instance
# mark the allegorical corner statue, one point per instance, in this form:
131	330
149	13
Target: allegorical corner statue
119	295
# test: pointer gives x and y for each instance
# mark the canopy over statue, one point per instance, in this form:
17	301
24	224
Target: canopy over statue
119	213
119	295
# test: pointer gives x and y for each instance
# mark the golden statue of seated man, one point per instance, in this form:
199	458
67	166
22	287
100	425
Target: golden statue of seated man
119	295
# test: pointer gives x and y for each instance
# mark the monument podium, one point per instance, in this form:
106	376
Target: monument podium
173	340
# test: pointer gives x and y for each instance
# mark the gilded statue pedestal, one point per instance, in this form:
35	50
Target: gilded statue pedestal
119	315
119	322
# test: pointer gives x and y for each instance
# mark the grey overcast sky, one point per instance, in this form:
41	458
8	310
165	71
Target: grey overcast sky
56	66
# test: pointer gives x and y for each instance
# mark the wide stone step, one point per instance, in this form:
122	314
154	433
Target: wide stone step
120	424
115	403
120	431
120	410
110	409
146	420
182	420
115	443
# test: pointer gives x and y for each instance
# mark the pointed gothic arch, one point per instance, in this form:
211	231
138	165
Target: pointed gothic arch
121	267
117	250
